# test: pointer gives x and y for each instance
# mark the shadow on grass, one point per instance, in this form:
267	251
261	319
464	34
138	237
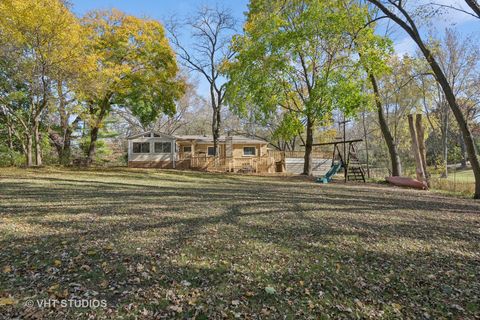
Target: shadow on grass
213	243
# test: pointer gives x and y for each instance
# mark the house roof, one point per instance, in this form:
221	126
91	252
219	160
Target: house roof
160	134
202	139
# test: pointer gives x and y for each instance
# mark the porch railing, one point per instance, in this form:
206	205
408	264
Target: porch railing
262	164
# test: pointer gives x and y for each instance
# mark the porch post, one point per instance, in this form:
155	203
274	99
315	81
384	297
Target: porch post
174	152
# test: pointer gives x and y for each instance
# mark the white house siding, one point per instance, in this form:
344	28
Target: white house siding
152	159
320	166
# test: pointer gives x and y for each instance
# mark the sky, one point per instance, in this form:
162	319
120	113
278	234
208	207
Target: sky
165	9
159	9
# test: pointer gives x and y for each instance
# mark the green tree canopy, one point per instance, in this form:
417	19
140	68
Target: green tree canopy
300	58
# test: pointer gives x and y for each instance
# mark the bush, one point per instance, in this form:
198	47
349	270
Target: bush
10	157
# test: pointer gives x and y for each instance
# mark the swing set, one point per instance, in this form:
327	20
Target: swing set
349	161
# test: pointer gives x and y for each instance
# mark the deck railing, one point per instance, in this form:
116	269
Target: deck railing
262	164
273	161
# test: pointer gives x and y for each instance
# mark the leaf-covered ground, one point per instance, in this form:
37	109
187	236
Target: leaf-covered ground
165	244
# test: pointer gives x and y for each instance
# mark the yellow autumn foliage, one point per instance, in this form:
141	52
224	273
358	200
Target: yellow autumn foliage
45	31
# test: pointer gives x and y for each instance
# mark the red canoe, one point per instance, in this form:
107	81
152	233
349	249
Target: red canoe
407	182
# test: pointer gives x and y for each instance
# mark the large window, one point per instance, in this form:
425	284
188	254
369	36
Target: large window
211	151
249	151
141	147
163	147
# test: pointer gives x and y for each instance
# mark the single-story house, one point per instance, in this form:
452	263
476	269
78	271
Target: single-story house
236	153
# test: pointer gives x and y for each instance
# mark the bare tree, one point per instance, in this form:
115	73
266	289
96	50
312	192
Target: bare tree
473	4
396	11
459	61
187	109
211	30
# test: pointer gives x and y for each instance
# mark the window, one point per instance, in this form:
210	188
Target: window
141	147
249	151
163	147
156	135
146	135
211	151
187	149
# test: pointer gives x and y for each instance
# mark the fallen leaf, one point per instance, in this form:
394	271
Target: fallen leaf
177	309
185	283
7	301
53	288
270	290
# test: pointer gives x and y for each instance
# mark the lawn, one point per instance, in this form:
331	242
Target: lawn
458	182
168	244
461	176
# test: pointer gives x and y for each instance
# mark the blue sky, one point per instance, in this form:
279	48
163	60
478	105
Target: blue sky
158	9
164	9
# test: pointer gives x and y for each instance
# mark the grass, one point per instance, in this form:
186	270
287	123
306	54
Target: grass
166	244
458	182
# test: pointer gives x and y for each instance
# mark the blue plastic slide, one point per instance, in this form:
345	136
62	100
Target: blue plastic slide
333	171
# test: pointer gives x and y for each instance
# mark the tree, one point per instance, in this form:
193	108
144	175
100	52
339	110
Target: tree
296	59
473	4
458	59
397	12
186	116
387	135
131	65
65	120
39	39
211	31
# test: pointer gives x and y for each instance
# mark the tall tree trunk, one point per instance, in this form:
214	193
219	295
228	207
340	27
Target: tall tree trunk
387	135
62	145
365	137
10	143
421	145
94	129
445	142
216	130
411	29
92	147
38	143
29	150
65	156
463	151
307	165
416	151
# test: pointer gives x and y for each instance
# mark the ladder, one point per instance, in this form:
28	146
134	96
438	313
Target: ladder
355	171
